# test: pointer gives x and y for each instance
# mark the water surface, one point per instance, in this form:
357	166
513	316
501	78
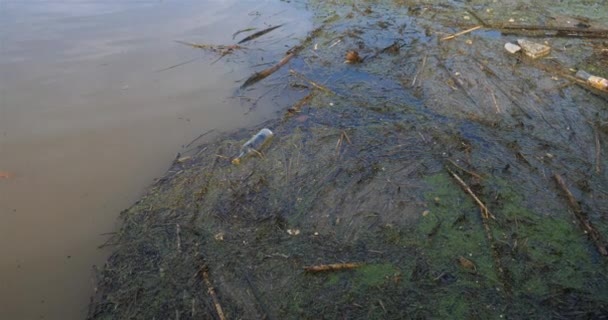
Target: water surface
87	121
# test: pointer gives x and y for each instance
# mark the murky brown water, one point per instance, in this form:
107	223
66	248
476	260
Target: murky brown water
87	122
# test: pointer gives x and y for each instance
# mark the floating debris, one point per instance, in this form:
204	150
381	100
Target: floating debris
352	57
259	34
594	81
532	49
512	48
254	145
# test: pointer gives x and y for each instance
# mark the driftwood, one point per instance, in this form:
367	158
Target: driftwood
257	76
292	52
582	218
544	31
550	31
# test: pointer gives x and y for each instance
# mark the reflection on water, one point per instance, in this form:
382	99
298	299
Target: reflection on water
87	121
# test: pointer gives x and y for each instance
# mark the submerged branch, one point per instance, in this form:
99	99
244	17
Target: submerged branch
259	34
292	52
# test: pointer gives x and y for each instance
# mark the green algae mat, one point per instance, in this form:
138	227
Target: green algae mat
421	181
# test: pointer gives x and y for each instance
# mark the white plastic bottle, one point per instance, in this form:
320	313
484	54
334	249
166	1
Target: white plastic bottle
254	145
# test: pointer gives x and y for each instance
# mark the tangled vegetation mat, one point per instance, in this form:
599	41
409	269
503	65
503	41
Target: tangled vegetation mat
430	177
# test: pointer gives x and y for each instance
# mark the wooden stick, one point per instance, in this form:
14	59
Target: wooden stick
204	272
420	70
485	212
257	76
582	218
488	232
559	31
298	105
465	170
314	84
450	37
333	267
292	52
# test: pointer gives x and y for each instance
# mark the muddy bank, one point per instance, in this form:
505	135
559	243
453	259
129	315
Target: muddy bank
431	165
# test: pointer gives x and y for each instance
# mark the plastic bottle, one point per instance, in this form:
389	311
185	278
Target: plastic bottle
594	81
254	145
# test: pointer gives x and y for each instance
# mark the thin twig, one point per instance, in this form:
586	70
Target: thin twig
485	212
488	232
204	272
598	149
200	136
582	218
420	70
450	37
259	34
298	105
332	267
314	84
346	136
178	65
465	170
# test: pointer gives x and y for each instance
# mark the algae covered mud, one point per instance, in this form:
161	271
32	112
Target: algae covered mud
425	179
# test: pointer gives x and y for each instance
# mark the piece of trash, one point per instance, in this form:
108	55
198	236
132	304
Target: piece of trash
512	48
293	232
594	81
425	213
183	159
511	20
254	145
469	41
532	49
352	57
219	236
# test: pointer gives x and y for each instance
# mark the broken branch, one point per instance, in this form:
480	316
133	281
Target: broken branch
292	52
